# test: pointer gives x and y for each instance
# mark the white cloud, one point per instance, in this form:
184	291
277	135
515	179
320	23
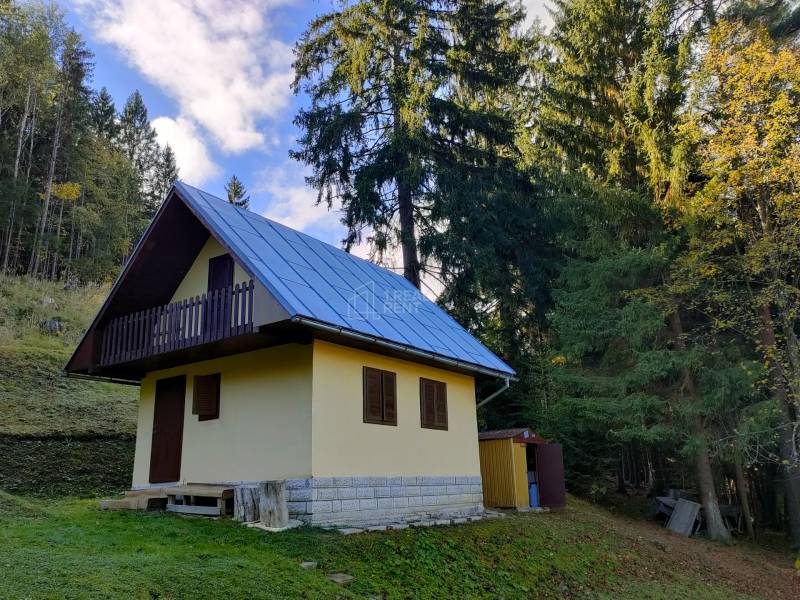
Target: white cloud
215	58
293	203
194	163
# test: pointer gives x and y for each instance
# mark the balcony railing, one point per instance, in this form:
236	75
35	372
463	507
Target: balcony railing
219	314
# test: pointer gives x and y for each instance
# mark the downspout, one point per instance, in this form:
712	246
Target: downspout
496	393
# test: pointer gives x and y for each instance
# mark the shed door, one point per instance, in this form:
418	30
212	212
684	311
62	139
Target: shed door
550	464
165	453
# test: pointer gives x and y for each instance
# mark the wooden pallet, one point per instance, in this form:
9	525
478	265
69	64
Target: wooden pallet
190	493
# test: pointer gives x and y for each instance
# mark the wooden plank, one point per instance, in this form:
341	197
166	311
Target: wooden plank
200	490
205	321
235	321
250	306
184	315
104	347
189	509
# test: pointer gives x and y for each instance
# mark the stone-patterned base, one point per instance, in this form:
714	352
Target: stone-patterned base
378	500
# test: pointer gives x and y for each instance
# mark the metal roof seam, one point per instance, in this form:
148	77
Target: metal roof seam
354	291
250	237
290	308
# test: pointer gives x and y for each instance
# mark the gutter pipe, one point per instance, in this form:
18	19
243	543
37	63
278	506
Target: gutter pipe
399	347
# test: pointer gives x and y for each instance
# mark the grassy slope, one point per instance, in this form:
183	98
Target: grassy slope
35	399
57	435
57	550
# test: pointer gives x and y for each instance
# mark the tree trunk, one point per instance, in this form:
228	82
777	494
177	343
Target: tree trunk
621	473
408	237
743	492
272	504
58	240
787	448
9	233
30	144
21	134
405	200
245	503
705	477
48	194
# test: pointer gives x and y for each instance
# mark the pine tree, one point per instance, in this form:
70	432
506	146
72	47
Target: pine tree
166	174
237	194
104	115
137	137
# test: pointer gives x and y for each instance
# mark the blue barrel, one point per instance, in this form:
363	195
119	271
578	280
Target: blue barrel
534	493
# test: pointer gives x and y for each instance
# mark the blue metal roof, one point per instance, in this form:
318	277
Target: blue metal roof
320	282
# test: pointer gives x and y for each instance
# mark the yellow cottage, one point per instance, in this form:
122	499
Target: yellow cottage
264	354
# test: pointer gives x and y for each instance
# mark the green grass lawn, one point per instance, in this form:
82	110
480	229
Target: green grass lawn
71	549
57	435
35	398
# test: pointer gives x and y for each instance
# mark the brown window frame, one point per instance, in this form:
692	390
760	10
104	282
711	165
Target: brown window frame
198	381
439	387
385	376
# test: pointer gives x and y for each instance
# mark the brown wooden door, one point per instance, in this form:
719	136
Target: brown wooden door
550	470
220	276
220	272
165	453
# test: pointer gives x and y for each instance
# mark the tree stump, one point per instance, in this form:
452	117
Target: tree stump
245	503
272	504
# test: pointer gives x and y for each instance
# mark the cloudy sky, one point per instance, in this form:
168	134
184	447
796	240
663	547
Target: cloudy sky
215	76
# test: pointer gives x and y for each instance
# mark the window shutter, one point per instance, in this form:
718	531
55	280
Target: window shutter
428	401
205	396
441	404
389	387
433	403
372	396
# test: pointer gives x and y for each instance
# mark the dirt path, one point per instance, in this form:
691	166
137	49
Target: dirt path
657	553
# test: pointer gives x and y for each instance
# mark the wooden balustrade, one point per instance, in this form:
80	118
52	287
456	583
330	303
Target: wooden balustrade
219	314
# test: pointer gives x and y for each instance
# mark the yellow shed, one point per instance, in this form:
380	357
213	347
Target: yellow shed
513	459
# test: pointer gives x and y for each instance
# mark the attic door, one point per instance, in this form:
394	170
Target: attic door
220	277
220	272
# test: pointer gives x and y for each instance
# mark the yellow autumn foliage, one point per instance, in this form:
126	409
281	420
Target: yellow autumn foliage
66	192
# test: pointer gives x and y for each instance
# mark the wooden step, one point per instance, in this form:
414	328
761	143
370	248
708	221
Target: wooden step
120	504
153	492
191	509
200	490
191	492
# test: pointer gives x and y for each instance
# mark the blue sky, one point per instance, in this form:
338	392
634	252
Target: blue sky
215	76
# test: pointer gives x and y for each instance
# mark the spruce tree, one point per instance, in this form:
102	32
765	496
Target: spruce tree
137	138
166	174
104	115
385	120
237	194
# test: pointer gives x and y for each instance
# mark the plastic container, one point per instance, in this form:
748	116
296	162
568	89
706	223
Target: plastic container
534	494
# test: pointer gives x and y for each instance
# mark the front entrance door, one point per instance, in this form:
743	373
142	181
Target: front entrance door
165	453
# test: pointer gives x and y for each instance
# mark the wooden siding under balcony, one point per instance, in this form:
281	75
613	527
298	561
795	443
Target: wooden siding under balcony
214	316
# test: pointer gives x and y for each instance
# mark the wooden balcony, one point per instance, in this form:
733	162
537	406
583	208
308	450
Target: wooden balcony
217	315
